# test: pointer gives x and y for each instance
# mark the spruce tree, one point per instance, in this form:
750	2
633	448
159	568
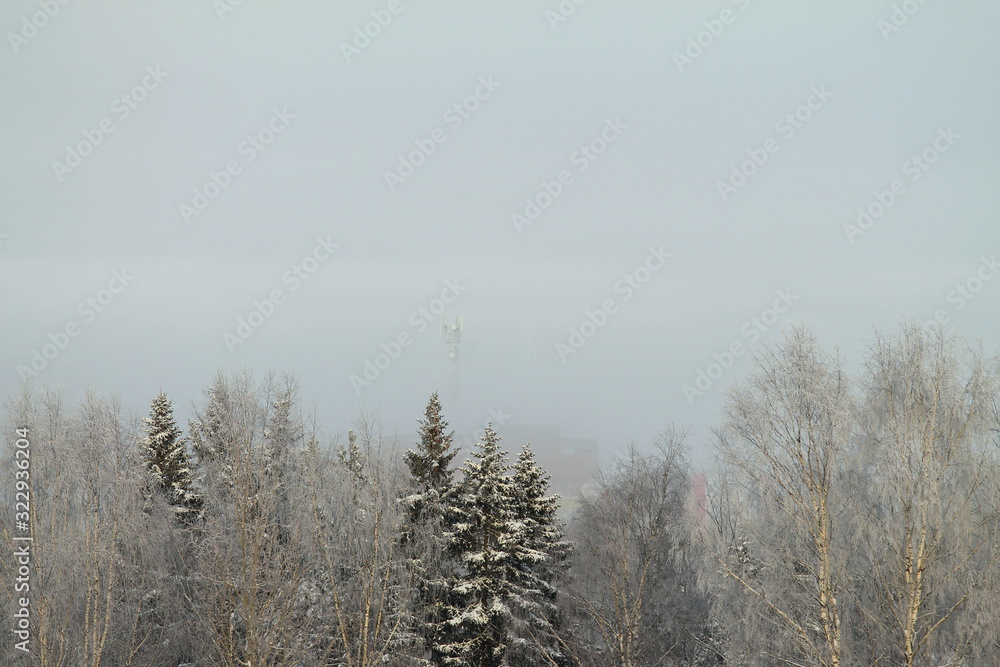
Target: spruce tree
426	519
430	464
487	538
167	462
282	437
211	436
544	556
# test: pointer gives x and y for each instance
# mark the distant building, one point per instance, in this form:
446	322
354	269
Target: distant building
571	462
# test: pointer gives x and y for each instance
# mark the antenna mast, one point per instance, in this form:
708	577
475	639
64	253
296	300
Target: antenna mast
452	335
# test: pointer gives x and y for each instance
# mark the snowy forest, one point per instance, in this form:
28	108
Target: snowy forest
852	517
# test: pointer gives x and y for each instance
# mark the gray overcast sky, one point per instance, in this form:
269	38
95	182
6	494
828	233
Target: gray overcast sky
879	96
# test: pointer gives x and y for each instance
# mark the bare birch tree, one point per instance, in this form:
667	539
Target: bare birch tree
87	587
358	585
927	517
786	435
633	594
249	565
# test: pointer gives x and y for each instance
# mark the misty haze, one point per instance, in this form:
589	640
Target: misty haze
479	335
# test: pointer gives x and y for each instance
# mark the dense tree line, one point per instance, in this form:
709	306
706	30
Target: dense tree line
852	519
